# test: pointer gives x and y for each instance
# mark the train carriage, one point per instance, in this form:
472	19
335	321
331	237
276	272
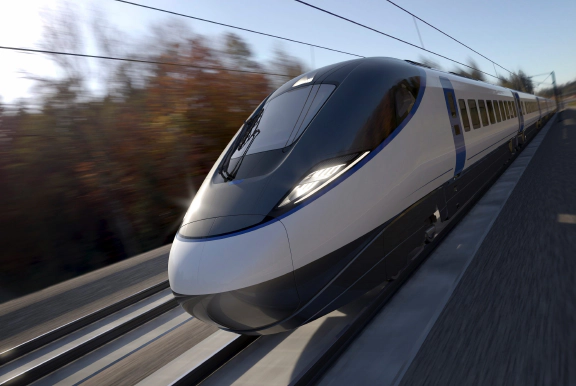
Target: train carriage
335	184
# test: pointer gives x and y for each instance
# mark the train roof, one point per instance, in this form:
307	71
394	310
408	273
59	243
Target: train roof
336	73
470	80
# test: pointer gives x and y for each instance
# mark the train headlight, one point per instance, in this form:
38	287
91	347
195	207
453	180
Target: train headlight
317	180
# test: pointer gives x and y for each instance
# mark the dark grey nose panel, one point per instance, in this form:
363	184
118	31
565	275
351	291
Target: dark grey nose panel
219	225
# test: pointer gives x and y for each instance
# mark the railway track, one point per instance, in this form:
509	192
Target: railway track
46	353
68	328
50	352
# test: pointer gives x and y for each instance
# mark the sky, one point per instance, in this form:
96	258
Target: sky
537	37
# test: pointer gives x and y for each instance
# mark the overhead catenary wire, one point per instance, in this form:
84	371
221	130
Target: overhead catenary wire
544	78
140	61
394	37
247	30
444	33
238	28
544	73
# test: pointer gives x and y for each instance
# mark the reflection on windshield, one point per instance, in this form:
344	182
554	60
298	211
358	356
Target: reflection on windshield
317	98
285	117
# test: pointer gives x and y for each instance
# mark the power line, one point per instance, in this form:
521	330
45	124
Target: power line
140	61
444	33
395	38
545	78
545	73
238	28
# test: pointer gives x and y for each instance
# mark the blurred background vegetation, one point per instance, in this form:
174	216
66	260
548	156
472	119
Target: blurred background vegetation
90	180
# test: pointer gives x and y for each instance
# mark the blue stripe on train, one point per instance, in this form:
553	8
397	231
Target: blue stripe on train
455	124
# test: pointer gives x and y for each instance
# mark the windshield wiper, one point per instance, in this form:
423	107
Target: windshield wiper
245	139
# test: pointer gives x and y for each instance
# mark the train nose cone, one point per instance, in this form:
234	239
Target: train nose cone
242	281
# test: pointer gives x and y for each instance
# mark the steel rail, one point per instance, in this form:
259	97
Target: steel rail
68	328
216	361
56	362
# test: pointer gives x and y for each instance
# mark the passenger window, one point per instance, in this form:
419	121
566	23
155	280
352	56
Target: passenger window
451	105
464	114
491	112
509	105
474	113
523	108
497	108
503	108
483	115
513	105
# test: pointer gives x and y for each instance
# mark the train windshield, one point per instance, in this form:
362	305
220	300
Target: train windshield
285	117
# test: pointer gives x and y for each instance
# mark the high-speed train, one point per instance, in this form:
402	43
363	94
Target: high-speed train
336	183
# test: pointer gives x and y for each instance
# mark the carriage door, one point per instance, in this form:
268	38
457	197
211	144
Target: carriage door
520	112
454	117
